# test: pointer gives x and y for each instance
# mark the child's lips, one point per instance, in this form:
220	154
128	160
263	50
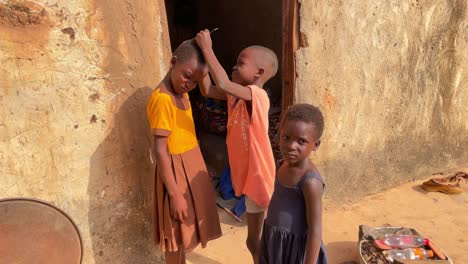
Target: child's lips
289	156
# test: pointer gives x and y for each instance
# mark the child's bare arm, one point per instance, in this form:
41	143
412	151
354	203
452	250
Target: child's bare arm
313	190
178	203
217	72
209	90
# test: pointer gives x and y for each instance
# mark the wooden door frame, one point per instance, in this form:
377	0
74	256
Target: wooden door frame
289	47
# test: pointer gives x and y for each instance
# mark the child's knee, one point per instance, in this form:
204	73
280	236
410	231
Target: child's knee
252	208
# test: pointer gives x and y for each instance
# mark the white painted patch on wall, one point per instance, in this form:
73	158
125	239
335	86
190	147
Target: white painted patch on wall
428	18
162	63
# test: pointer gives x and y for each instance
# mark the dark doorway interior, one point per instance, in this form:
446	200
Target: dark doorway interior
241	23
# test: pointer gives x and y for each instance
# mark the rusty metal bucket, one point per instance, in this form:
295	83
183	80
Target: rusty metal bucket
33	231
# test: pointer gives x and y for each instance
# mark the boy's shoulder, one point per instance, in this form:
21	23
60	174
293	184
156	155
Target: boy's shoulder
259	94
257	88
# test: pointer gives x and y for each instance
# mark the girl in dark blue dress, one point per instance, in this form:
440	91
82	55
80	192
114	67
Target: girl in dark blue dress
292	231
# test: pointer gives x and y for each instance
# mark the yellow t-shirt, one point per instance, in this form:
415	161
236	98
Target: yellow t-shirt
166	119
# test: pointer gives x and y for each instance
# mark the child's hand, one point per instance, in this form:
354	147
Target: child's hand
203	39
178	208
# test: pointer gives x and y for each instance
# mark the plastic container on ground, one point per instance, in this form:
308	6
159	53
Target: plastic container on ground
408	253
405	241
376	232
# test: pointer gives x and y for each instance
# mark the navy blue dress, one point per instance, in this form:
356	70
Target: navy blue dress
284	234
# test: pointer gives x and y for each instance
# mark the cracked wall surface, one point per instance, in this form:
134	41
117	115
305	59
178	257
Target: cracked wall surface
392	80
74	80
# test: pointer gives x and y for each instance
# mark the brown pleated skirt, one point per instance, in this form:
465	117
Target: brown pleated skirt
202	223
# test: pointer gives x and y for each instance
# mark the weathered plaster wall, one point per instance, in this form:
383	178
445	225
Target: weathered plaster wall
74	80
392	80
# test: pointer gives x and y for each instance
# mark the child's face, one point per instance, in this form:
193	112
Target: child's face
245	72
186	75
297	141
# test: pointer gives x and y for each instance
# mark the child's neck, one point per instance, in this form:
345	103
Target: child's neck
168	84
259	83
301	165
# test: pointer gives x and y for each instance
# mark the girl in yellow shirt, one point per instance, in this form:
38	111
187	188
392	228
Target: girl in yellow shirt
184	211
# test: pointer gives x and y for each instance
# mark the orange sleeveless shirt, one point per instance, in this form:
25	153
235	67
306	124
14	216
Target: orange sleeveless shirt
249	148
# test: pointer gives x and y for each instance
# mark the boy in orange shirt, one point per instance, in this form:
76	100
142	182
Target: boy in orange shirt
249	149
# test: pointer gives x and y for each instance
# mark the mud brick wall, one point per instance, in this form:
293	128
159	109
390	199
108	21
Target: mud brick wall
74	80
392	79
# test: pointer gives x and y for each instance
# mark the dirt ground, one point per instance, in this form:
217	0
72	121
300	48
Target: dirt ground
442	218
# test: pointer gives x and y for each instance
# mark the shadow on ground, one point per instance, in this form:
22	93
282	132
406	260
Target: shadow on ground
419	188
342	251
197	258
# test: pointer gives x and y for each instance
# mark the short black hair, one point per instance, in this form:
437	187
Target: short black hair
187	50
306	113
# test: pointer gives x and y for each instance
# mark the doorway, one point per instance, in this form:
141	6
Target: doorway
241	24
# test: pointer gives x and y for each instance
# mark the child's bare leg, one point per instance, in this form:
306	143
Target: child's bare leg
254	230
175	257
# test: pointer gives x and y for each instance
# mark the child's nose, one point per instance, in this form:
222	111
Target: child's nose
290	145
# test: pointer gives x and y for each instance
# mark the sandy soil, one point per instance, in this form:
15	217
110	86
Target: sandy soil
442	218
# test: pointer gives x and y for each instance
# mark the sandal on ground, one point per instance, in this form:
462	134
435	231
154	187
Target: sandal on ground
447	185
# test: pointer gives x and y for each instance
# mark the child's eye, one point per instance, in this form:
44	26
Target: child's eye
302	142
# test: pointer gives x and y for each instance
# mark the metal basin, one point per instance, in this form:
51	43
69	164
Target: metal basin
33	231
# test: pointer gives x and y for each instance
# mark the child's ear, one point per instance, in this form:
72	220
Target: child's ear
173	61
260	72
317	145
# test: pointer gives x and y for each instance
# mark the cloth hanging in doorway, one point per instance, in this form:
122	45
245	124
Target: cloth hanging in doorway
227	192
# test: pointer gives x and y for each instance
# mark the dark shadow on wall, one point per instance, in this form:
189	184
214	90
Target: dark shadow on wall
120	187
